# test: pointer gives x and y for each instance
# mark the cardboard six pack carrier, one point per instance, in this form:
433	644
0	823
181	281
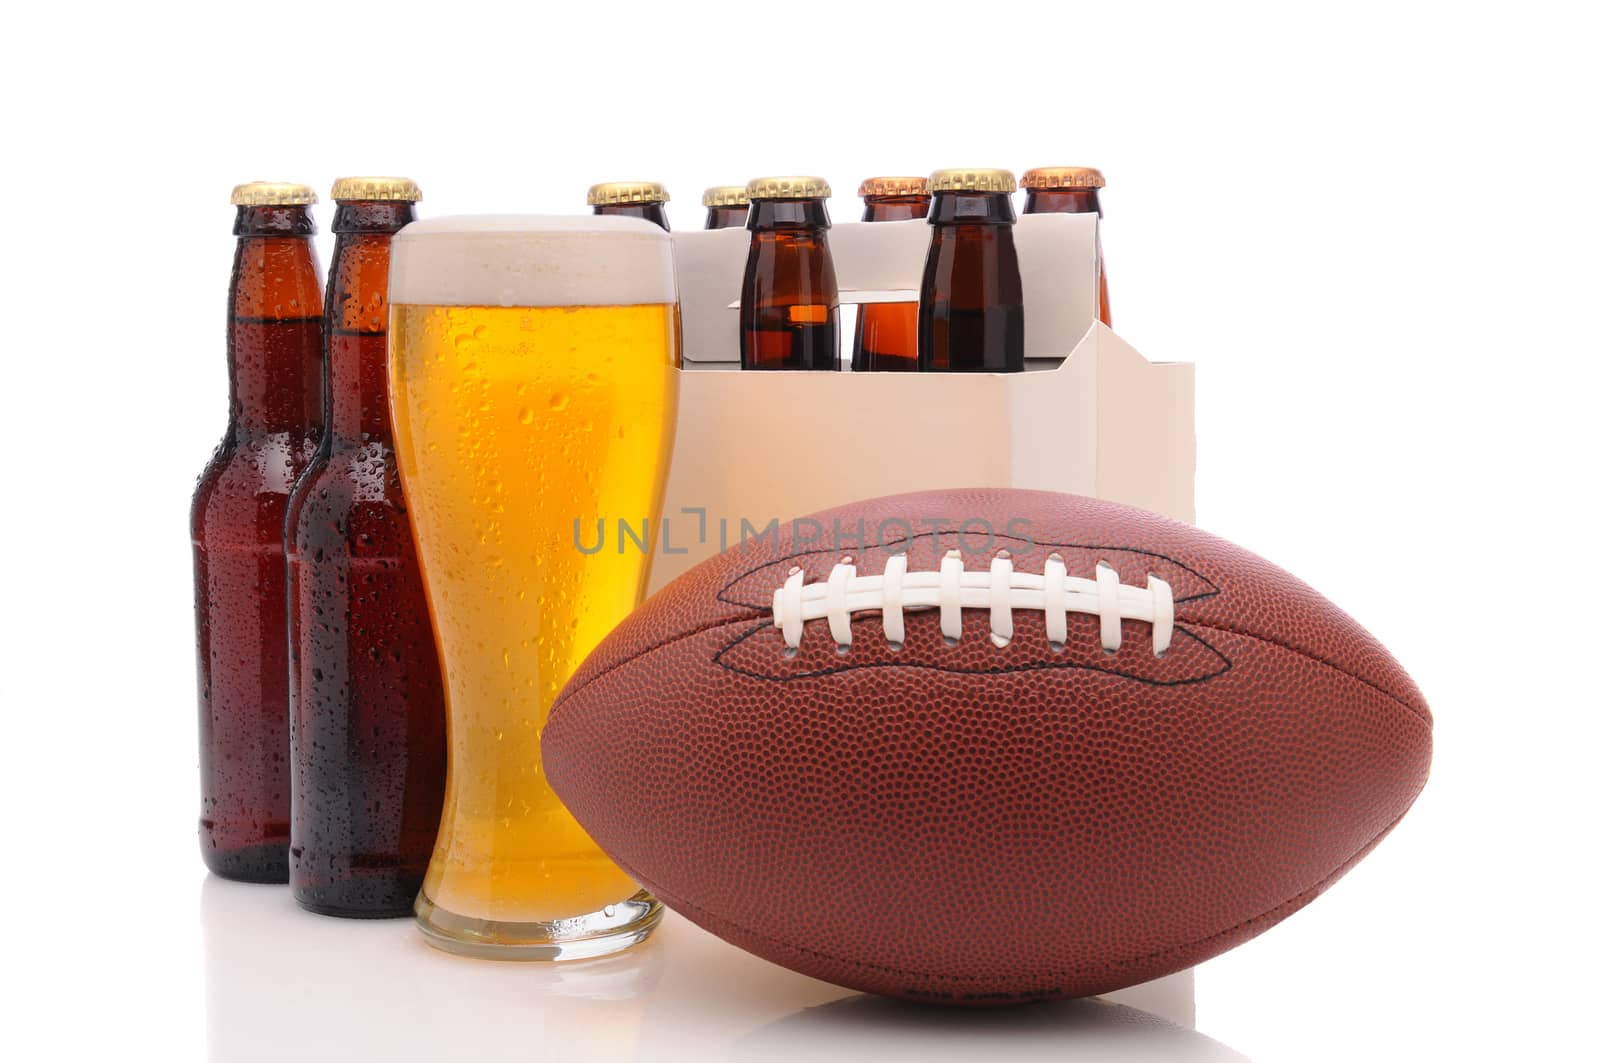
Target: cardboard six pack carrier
1089	415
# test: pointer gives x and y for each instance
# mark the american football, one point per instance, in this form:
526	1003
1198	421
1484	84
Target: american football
988	746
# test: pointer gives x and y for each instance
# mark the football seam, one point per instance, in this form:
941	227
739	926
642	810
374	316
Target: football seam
1041	666
723	594
758	610
1287	908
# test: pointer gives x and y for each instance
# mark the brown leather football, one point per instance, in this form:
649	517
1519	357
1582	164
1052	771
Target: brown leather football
986	746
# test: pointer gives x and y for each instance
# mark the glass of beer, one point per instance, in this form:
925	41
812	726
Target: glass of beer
533	385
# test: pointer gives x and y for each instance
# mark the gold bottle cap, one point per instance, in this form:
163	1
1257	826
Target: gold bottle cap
788	188
272	194
725	196
395	189
613	192
1063	177
972	180
893	186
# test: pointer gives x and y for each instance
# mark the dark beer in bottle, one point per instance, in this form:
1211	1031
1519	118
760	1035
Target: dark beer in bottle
1070	190
366	697
886	333
727	206
969	318
789	304
275	331
632	199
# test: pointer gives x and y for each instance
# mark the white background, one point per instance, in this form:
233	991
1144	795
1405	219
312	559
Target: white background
1373	228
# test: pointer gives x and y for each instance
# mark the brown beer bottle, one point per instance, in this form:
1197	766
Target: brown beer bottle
367	738
632	199
1070	190
969	318
236	525
726	206
886	333
789	304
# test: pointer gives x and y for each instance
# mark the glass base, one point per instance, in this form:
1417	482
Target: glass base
582	937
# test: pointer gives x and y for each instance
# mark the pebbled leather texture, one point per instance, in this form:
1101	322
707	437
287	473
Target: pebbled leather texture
965	823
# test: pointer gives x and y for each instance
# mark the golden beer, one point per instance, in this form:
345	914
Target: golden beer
532	378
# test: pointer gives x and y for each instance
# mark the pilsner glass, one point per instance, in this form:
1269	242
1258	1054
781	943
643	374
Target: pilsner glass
533	386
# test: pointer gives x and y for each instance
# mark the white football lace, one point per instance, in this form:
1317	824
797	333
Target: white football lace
1001	590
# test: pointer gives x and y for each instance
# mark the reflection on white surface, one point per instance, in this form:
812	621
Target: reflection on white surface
281	981
1069	1029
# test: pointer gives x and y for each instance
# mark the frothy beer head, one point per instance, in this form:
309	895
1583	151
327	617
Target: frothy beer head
532	260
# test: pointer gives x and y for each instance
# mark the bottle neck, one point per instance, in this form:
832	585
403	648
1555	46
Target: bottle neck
358	321
1062	201
971	208
772	215
895	208
726	217
275	327
655	212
